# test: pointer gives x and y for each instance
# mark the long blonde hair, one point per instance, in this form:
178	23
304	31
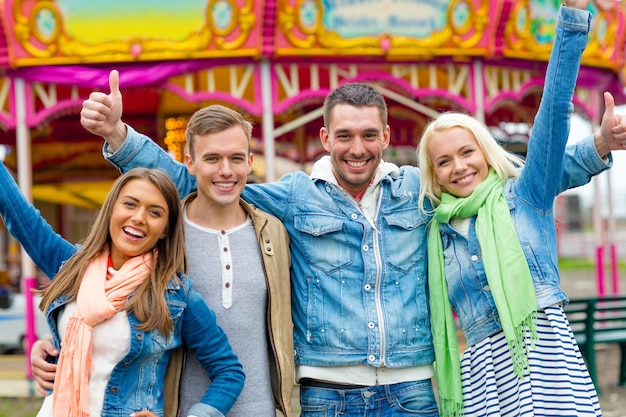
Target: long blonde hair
148	302
504	163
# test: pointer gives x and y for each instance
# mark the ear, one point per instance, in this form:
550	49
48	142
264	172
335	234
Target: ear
250	161
189	164
386	137
325	139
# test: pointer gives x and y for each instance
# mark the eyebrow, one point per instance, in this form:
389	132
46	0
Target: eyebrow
137	200
366	130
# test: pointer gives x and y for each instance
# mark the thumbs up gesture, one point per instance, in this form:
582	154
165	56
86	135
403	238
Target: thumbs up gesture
101	113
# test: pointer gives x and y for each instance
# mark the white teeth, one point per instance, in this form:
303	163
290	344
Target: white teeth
133	232
225	184
356	164
464	180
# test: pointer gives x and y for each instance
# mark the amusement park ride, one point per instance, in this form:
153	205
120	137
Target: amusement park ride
275	61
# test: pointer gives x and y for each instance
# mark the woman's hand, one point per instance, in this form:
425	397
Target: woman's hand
577	4
143	413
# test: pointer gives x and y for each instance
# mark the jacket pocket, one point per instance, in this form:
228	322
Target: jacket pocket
404	240
324	241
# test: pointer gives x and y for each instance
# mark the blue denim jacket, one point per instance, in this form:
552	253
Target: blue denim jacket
136	382
359	292
530	196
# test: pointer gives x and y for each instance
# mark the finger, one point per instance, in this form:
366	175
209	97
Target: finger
98	97
95	115
41	390
609	105
114	82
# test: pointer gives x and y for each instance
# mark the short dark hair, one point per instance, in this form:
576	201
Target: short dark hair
357	95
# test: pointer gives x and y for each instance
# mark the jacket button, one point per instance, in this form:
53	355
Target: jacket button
139	336
114	390
474	258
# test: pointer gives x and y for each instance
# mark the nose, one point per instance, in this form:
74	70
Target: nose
225	168
358	146
459	165
139	215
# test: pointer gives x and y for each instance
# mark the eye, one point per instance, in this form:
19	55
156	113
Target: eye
211	158
156	213
130	204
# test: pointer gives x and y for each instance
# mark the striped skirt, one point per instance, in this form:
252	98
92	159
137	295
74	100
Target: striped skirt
558	383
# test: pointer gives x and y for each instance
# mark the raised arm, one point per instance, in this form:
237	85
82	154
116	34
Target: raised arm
546	147
46	248
591	156
124	147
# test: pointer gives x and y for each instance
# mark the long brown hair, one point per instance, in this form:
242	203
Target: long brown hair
148	302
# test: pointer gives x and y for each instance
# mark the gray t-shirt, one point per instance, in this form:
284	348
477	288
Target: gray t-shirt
227	270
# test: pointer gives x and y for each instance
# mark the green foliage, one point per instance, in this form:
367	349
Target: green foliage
571	264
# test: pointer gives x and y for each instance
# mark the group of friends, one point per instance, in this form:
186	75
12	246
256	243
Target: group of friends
345	280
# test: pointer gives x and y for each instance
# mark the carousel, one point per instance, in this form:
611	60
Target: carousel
274	61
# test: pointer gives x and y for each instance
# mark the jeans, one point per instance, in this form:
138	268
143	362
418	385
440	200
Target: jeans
395	400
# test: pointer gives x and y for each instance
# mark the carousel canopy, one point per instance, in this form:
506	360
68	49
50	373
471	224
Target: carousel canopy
275	61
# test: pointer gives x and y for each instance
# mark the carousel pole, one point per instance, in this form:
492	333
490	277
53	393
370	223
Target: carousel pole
268	121
24	177
598	224
611	232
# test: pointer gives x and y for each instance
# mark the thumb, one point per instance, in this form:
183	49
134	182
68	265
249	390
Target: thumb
114	82
609	105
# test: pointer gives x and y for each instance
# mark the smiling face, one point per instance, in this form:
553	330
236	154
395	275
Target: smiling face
138	220
355	139
459	164
221	162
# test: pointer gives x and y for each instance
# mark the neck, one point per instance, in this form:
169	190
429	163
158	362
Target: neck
214	216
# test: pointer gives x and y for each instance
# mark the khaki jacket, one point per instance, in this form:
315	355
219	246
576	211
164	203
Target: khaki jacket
274	243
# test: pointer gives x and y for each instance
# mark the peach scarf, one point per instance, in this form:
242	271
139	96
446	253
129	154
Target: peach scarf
98	299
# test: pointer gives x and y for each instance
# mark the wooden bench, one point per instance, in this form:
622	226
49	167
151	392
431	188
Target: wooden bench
597	320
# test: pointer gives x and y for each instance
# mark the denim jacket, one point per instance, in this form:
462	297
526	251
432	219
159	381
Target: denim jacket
136	382
358	290
530	196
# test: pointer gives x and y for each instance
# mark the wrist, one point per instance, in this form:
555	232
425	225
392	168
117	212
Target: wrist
117	136
602	147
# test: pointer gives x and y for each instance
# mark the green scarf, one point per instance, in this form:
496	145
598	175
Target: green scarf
508	276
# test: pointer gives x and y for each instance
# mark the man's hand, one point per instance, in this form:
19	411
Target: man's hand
612	133
43	371
102	113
